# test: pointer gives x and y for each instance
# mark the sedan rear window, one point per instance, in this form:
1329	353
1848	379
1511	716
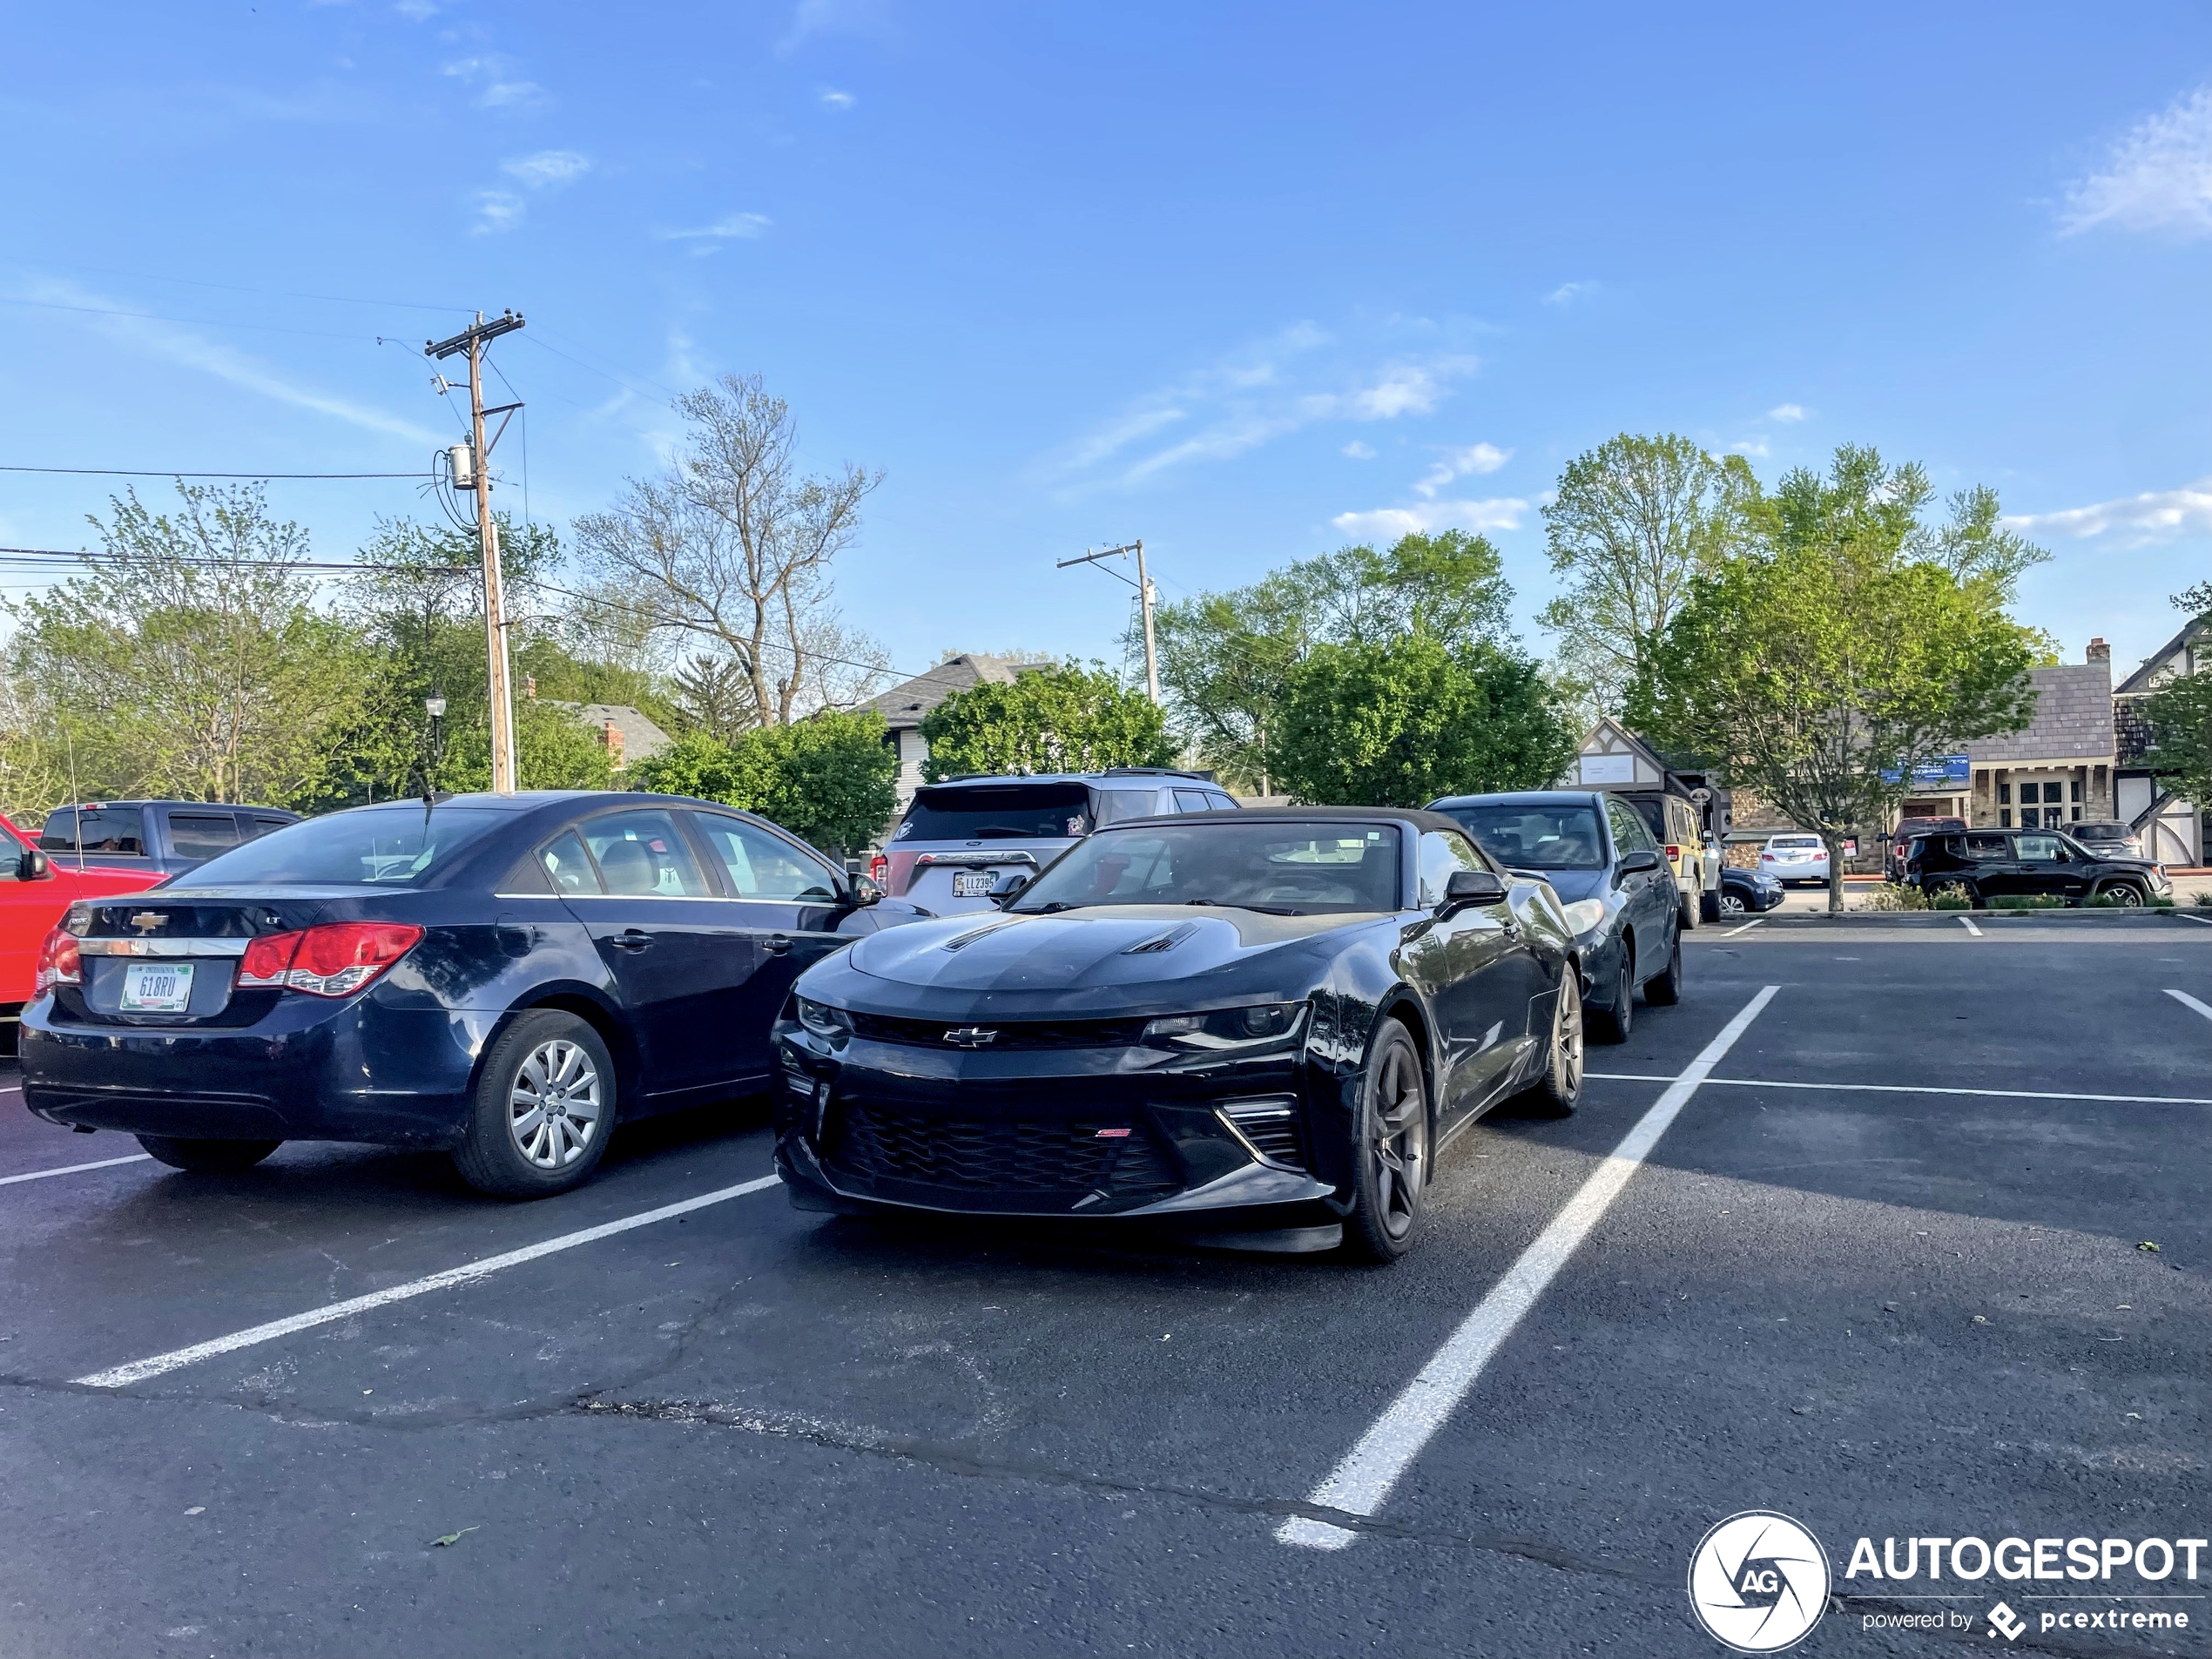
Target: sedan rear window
1290	868
999	811
394	846
1797	840
2099	832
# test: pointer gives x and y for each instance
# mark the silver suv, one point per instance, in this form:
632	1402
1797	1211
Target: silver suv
962	838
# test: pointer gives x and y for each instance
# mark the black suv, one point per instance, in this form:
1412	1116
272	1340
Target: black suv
1986	864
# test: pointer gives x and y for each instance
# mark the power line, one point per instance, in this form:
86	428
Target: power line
33	556
164	472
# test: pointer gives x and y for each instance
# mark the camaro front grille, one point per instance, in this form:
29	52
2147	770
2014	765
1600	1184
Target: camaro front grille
971	1155
1007	1033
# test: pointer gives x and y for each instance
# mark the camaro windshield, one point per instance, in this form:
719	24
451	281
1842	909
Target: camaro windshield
1289	868
1536	838
393	846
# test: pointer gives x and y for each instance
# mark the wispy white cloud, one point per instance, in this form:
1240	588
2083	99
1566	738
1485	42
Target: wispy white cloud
547	168
497	210
2133	521
1787	412
1458	463
730	226
415	11
1359	451
813	17
1567	292
834	99
189	349
498	86
1250	398
1755	448
1388	524
2157	176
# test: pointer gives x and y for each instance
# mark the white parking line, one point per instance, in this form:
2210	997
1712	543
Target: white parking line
1745	928
74	1169
2187	1000
1918	1089
139	1370
2206	921
1360	1484
1967	922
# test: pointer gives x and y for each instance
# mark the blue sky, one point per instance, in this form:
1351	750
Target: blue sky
1249	282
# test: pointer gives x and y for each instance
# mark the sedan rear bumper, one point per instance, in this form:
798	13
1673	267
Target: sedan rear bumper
356	1070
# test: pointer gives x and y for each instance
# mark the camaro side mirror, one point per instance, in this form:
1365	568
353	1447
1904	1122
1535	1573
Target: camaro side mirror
1635	864
1007	887
33	865
1470	888
865	891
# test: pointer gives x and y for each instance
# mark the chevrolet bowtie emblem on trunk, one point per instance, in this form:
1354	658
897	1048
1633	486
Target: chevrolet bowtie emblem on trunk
971	1036
147	921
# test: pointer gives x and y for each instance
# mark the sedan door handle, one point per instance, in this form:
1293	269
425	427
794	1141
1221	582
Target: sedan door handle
631	939
776	944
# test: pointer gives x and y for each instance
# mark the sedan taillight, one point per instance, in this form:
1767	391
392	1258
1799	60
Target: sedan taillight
59	961
334	959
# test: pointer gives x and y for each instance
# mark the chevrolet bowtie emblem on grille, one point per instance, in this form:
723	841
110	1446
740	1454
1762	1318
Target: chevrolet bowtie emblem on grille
971	1036
147	921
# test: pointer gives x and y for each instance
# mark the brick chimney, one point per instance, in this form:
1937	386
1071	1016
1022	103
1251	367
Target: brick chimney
2098	652
611	736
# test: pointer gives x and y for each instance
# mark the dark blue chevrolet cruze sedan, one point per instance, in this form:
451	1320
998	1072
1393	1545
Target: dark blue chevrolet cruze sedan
503	976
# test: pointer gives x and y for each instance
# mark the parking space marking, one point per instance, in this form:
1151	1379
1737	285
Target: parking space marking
139	1370
1745	928
1967	922
1920	1088
2206	921
75	1169
1362	1482
2187	1000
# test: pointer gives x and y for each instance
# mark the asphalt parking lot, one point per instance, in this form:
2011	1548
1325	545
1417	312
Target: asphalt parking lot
1881	1272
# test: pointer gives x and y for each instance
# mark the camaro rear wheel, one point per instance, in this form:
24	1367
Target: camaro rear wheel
1561	1086
1664	990
207	1157
542	1110
1390	1168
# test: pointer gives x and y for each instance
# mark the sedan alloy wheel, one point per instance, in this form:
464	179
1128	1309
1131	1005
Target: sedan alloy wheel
1732	904
553	1109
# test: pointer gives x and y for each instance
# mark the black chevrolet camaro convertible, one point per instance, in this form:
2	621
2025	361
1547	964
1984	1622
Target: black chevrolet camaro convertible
1259	1026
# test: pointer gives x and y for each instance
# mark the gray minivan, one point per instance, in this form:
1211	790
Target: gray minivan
964	838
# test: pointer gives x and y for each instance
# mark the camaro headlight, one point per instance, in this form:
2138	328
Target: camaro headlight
1584	914
823	1020
1245	1027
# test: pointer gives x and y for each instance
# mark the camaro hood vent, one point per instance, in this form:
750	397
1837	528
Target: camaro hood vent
1167	940
961	940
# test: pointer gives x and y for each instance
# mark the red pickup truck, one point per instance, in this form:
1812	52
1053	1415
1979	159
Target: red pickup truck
35	891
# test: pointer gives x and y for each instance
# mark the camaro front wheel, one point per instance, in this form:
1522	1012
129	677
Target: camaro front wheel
1561	1086
542	1108
1390	1165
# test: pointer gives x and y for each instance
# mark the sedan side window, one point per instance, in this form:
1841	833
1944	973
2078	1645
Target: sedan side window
640	854
569	865
759	865
1630	834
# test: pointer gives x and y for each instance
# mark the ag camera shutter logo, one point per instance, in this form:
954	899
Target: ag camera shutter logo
1758	1581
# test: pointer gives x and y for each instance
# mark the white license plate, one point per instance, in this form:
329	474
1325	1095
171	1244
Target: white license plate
157	988
971	883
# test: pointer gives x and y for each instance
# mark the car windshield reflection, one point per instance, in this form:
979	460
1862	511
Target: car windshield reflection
1281	868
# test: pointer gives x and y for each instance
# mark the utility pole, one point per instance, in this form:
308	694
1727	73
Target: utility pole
1145	595
473	340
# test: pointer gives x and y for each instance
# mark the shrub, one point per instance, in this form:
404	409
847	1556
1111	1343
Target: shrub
2027	901
1893	896
2201	900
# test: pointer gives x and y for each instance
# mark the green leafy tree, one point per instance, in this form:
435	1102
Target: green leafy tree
1819	667
191	660
1634	520
1401	722
2180	721
831	780
1227	659
1069	718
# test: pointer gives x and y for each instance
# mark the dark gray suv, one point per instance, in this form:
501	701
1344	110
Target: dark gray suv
965	837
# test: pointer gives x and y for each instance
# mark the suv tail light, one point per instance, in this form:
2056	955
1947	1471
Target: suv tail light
1674	855
59	961
880	870
334	959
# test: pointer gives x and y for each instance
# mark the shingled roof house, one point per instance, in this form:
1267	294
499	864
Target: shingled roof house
903	707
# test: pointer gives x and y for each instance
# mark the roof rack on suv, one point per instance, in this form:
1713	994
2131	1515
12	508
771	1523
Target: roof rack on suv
1154	772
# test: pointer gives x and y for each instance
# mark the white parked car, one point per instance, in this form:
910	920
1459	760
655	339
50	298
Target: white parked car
1791	858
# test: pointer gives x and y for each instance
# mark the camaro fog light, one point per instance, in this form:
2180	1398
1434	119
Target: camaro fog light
823	1021
1227	1028
1584	914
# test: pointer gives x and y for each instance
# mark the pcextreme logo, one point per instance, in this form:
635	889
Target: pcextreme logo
1758	1581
